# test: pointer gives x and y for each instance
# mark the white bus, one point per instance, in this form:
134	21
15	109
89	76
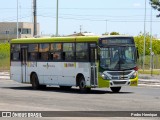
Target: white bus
85	62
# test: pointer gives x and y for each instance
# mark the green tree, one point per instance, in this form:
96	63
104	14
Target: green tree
105	34
114	33
156	5
139	41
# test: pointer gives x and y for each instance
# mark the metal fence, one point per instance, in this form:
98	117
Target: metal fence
148	64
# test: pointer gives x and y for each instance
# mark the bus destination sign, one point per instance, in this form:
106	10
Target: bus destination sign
108	41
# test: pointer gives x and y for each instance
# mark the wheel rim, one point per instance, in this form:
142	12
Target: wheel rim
82	84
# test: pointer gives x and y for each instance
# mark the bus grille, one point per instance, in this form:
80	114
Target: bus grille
119	82
120	73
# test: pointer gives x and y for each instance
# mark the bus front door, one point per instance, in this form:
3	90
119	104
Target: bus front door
93	60
24	64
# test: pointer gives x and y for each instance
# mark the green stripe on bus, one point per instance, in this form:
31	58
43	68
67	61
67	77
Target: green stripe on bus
56	39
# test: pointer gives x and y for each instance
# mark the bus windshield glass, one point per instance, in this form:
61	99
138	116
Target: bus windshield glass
118	57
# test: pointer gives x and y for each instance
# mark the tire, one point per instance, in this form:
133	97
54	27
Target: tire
115	89
35	82
65	87
82	86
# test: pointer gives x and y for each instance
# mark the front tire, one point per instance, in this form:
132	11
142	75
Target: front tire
115	89
82	86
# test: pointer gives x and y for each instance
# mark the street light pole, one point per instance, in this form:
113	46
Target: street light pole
35	17
57	21
151	52
144	46
17	20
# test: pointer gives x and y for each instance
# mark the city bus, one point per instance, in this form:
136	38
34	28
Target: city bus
82	61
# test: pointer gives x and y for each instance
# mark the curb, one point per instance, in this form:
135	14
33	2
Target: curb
149	82
149	85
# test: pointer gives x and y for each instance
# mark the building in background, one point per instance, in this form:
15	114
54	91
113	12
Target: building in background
8	30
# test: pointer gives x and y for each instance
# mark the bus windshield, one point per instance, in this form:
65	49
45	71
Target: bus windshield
118	57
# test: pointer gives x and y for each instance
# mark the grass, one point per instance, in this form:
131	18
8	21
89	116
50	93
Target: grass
154	72
5	64
4	56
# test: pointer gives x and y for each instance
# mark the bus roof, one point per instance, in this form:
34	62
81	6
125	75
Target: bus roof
57	39
120	36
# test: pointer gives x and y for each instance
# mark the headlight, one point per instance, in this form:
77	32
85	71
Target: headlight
104	76
134	75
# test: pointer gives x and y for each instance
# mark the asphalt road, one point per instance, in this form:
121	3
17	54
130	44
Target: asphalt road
20	97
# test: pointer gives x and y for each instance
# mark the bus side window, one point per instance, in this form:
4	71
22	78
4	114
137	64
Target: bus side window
33	52
44	56
57	56
69	51
15	56
32	56
44	51
82	53
93	52
56	51
15	52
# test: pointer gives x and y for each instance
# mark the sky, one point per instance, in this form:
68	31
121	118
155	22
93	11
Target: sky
96	16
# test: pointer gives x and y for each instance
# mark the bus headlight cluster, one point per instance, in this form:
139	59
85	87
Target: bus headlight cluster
104	76
134	75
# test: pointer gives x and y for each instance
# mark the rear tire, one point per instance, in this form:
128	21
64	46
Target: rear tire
115	89
35	82
82	86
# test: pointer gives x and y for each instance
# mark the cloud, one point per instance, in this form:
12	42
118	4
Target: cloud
136	4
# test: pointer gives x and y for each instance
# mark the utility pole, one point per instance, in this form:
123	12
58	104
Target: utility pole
144	46
80	28
34	17
57	21
106	26
17	21
151	51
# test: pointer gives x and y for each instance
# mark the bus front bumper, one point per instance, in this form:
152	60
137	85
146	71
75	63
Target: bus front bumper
118	83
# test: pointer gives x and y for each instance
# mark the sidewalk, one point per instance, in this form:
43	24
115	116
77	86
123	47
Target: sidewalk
148	80
5	75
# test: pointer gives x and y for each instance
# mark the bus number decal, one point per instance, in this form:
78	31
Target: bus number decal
69	65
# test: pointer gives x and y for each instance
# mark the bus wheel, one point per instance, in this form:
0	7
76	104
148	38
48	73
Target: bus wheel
35	82
115	89
82	86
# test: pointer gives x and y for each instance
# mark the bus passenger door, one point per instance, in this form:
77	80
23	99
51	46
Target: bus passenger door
24	64
93	60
